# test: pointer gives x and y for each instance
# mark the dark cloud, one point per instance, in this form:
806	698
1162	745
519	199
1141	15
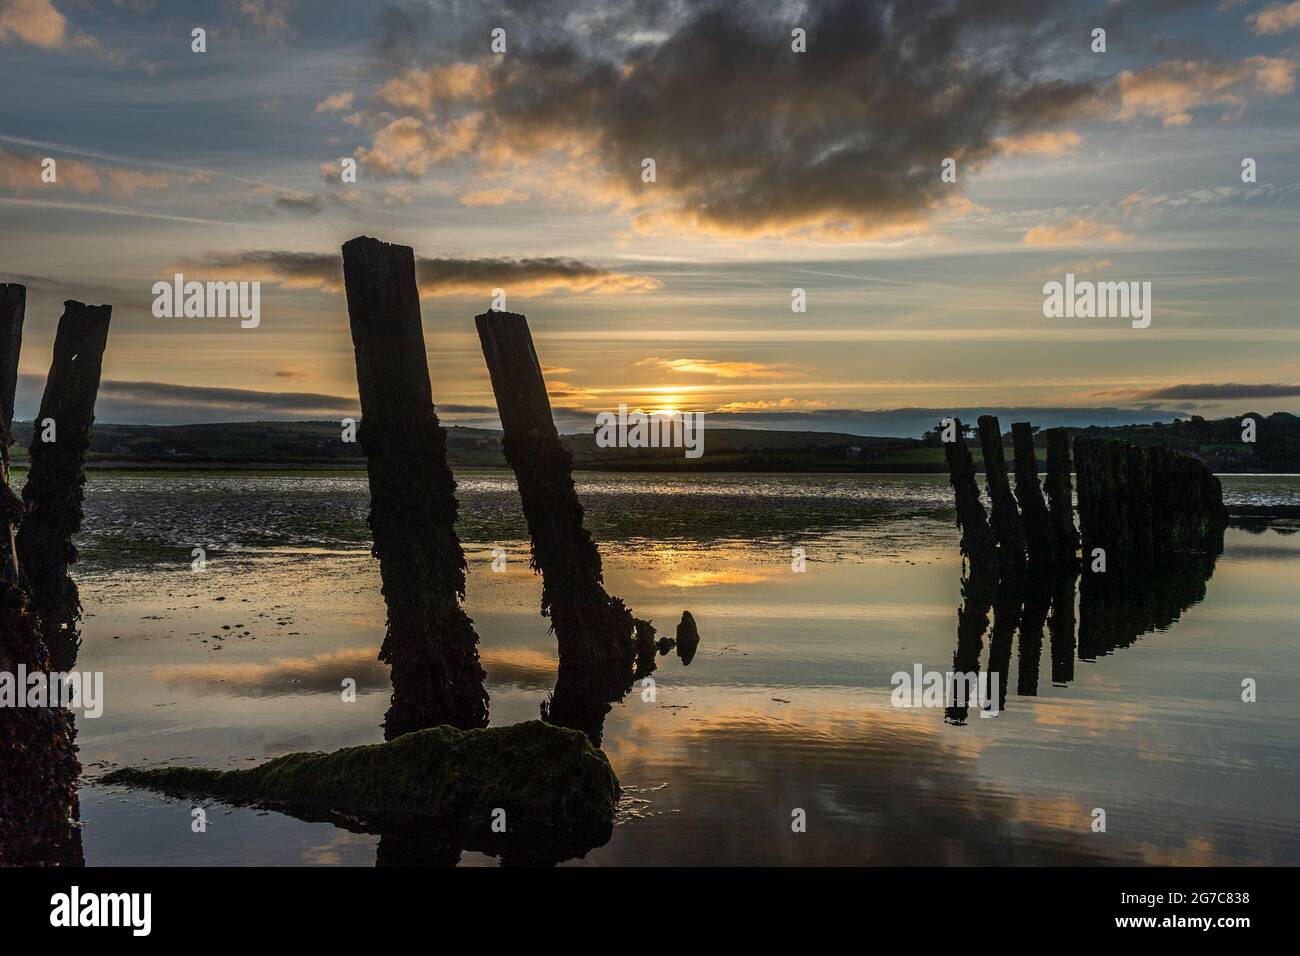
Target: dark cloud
162	403
446	276
1227	391
749	137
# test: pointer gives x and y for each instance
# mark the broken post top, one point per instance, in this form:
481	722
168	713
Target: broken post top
384	312
73	382
515	371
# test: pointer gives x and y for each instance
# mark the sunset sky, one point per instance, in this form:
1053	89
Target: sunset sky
774	170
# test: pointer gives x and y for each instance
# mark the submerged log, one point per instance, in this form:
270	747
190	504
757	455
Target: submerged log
1060	494
1005	520
13	306
976	538
1029	493
545	778
430	642
53	495
587	621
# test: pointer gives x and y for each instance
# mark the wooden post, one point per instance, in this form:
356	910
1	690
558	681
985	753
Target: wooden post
13	306
976	539
1005	522
38	754
1139	504
1060	494
52	498
1029	493
430	643
588	622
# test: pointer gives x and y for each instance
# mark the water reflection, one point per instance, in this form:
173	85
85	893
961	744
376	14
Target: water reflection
1115	609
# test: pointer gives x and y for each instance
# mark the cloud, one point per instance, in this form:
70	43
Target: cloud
1277	18
160	403
492	197
268	16
308	203
749	138
1205	392
1073	233
238	400
22	171
1170	90
38	22
718	369
336	103
436	277
1041	143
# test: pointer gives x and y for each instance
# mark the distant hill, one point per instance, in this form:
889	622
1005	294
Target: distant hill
319	445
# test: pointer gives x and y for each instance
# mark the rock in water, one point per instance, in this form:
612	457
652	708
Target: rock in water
688	638
542	776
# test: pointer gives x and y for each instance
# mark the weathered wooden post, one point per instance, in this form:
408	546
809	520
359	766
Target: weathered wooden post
1005	520
430	643
976	539
53	495
1029	493
1137	504
588	623
1060	494
38	754
13	306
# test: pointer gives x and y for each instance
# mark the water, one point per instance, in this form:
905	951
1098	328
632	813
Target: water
785	707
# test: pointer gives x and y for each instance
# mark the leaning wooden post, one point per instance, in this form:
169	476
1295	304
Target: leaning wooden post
1029	493
38	753
430	644
13	306
588	623
1005	522
53	495
1060	494
976	539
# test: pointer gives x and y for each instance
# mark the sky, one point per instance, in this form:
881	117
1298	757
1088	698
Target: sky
775	169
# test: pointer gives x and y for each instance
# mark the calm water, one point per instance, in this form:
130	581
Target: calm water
786	705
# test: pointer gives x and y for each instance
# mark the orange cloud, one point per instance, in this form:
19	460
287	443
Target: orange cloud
37	22
718	369
22	171
1169	91
492	197
1044	143
1278	18
1076	232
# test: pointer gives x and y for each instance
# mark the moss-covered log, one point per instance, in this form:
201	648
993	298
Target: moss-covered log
1005	518
546	779
1029	494
53	495
430	643
976	539
1060	495
588	622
